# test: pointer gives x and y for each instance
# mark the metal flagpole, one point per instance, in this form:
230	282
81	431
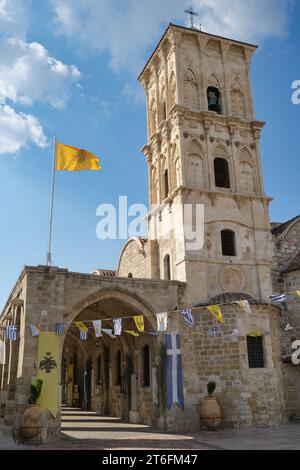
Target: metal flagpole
49	254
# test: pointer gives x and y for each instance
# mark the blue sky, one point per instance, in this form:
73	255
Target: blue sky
70	67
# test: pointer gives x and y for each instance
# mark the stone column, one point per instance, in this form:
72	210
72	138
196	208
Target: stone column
133	413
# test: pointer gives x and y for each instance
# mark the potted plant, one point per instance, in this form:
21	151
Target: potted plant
211	411
32	422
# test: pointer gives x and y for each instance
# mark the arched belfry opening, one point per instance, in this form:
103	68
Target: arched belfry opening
105	374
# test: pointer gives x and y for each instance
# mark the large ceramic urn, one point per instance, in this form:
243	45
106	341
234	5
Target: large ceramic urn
211	413
32	422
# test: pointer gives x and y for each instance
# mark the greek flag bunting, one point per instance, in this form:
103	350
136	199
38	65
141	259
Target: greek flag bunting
11	332
174	371
188	316
59	329
83	335
214	331
278	298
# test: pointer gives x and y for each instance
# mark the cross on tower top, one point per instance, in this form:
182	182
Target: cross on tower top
193	14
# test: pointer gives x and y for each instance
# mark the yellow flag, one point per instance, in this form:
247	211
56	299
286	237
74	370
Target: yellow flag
216	311
139	321
73	159
132	333
298	293
49	371
81	326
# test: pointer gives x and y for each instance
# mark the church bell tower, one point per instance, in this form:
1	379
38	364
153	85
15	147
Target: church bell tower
203	148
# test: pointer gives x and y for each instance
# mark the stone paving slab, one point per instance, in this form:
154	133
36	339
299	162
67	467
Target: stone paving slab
87	431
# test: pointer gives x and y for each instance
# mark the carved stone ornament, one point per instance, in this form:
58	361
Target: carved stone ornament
232	279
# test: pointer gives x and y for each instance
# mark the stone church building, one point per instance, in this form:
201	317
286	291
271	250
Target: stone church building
203	148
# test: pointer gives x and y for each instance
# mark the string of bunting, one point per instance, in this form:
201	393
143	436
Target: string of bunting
162	322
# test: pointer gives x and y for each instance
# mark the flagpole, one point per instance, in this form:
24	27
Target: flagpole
49	254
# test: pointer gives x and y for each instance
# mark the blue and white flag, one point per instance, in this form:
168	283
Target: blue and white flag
188	316
117	326
34	330
59	329
11	332
278	298
174	371
83	335
213	331
97	324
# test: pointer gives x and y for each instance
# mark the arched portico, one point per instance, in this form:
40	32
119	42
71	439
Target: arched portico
106	374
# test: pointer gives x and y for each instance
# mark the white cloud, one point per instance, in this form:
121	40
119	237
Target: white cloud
251	20
19	129
13	19
28	74
126	29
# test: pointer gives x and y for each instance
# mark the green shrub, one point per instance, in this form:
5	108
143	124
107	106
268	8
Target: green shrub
35	391
211	387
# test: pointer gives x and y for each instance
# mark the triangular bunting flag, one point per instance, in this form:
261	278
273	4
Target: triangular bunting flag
97	324
83	335
109	332
132	333
81	326
59	329
298	293
244	304
162	322
139	322
117	326
188	316
216	311
34	330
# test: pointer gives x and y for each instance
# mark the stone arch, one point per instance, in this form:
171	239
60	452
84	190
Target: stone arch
237	99
106	304
123	295
190	90
215	101
220	151
195	164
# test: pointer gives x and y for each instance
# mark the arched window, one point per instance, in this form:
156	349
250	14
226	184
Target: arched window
130	275
166	178
214	99
167	267
191	97
146	366
228	243
222	179
118	368
255	352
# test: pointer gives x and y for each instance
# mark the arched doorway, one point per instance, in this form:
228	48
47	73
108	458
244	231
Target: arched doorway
106	374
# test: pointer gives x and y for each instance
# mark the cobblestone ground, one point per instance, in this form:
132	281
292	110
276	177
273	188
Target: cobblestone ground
83	430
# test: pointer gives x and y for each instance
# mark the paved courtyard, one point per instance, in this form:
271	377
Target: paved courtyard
85	430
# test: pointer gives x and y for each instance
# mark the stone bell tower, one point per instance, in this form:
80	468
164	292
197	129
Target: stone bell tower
203	148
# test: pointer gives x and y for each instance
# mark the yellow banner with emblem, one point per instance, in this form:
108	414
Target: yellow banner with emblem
49	371
74	159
